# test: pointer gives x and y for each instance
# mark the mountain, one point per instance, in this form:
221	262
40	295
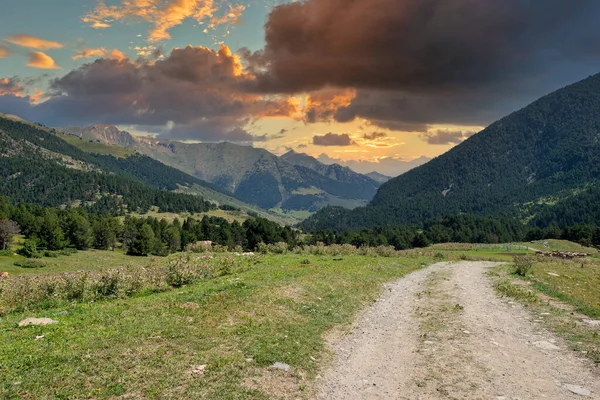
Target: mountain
332	171
43	166
528	163
377	177
252	175
37	166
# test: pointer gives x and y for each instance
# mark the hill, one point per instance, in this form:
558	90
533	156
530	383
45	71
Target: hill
529	163
252	175
377	177
38	166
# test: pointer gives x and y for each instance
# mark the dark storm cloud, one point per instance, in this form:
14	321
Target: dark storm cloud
333	139
466	61
417	44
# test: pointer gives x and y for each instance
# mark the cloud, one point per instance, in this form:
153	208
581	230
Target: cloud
99	53
145	51
11	86
4	53
15	90
33	42
333	139
408	60
374	135
302	146
198	93
321	105
163	15
40	60
446	137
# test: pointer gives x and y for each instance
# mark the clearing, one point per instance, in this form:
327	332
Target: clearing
443	333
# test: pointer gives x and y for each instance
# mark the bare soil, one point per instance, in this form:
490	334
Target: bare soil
443	333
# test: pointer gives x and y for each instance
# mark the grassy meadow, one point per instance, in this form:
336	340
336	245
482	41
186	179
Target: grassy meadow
479	252
215	338
563	294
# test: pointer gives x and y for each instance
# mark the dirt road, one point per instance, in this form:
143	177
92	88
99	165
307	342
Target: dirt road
442	333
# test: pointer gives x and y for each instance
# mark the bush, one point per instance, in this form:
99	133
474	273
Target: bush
67	251
30	264
199	247
29	249
306	261
6	252
523	264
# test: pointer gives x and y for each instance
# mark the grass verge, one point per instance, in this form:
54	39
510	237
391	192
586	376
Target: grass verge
214	339
563	302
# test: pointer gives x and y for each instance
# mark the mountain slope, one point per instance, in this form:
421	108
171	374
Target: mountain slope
332	171
37	166
252	175
540	154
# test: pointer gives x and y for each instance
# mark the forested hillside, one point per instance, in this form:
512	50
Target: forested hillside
37	166
544	154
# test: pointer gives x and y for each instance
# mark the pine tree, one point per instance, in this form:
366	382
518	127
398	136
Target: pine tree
144	243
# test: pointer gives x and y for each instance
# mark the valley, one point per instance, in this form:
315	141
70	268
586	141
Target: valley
294	200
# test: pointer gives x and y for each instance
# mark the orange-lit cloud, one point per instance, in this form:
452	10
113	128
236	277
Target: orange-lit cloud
163	15
36	97
322	105
11	87
33	43
3	52
40	60
100	53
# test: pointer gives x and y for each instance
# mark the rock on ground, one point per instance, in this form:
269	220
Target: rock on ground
37	322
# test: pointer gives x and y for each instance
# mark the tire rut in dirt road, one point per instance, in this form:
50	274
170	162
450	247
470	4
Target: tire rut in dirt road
442	333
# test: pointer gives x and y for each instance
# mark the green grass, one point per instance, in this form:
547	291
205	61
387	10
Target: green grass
230	216
273	309
95	147
485	252
561	301
560	245
577	283
82	260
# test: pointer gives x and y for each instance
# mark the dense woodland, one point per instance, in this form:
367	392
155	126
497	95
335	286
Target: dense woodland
51	229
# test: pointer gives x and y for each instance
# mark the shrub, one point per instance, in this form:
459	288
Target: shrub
439	255
6	252
523	264
30	264
306	261
23	292
199	247
29	249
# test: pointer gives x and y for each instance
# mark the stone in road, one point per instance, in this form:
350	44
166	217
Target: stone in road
442	333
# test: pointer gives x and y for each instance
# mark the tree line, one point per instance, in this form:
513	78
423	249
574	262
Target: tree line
457	229
52	229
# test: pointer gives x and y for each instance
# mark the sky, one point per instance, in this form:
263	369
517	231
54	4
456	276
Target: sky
372	84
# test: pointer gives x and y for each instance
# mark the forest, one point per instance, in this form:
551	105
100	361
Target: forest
49	230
